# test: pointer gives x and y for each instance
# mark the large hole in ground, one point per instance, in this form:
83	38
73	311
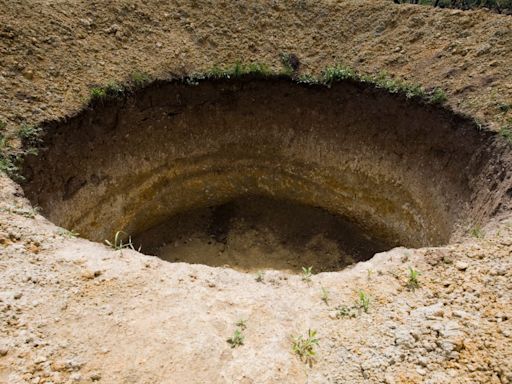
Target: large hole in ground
266	173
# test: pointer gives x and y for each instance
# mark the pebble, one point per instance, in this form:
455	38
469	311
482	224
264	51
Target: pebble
461	265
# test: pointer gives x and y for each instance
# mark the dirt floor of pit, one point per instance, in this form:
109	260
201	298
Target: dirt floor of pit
254	234
72	311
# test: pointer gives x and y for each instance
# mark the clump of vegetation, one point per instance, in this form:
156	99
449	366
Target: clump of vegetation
11	157
325	296
291	63
98	93
307	273
260	275
338	73
112	90
238	338
7	160
304	347
438	96
385	81
30	135
68	233
477	232
242	324
506	133
118	243
139	79
344	311
413	282
364	301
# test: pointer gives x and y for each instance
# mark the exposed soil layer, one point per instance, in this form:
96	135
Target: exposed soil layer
402	172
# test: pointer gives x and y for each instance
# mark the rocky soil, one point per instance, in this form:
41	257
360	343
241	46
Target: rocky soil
73	311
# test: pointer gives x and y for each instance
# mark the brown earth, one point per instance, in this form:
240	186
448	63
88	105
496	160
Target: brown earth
75	311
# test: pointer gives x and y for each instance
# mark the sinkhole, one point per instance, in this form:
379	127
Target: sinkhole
256	173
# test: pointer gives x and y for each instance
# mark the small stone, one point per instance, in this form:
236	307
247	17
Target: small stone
95	377
18	295
461	265
3	351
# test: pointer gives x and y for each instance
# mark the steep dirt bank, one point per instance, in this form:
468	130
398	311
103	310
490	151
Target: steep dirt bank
404	172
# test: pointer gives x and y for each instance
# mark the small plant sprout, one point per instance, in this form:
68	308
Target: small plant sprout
68	233
260	275
304	347
344	311
118	243
506	133
413	282
306	274
242	324
477	232
325	296
364	301
237	339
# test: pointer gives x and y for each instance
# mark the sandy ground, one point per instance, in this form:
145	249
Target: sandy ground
73	311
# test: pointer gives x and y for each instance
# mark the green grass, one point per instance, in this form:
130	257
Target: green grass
384	81
111	90
325	296
140	79
413	281
307	273
364	301
477	232
118	243
506	133
304	347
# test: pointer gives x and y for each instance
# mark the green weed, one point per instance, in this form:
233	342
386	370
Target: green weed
307	273
477	232
325	296
260	275
344	311
506	133
304	347
118	243
364	301
413	282
237	339
139	79
242	324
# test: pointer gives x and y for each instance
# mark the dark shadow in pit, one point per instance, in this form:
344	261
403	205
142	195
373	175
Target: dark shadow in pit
257	233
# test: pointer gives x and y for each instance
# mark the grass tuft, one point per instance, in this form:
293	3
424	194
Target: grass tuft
413	281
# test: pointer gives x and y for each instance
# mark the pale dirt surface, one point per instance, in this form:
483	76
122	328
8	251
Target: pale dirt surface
72	311
76	311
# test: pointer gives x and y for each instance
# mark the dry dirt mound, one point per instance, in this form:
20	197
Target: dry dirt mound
265	175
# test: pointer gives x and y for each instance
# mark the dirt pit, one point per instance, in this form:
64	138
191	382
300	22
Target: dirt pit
256	233
267	173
